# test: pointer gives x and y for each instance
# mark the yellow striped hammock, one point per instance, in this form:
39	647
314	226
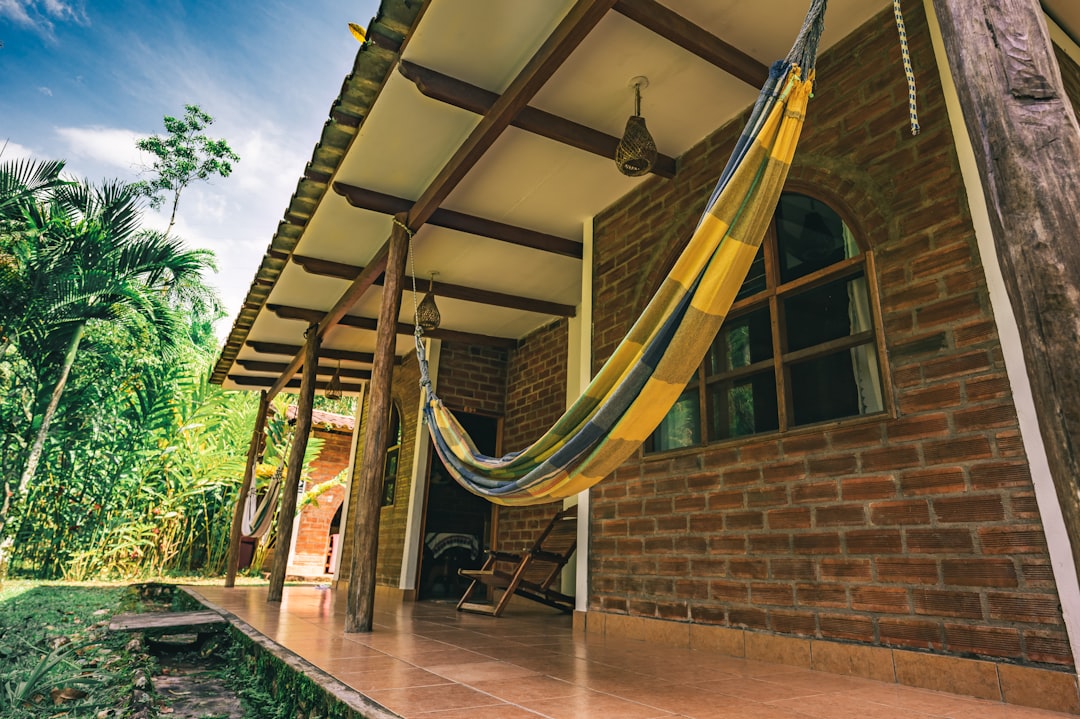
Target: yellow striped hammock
647	372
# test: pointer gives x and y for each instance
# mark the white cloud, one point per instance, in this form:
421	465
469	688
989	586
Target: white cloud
13	150
41	14
45	91
114	147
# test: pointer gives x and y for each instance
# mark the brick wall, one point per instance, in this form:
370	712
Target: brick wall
473	379
919	530
313	530
405	391
535	399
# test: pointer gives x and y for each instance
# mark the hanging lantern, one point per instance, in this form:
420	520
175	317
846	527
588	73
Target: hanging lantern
333	387
427	313
636	153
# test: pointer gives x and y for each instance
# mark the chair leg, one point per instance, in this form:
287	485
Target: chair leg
489	563
511	588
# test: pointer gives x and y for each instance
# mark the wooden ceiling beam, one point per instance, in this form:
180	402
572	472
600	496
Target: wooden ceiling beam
369	323
252	381
365	199
279	367
278	348
692	38
574	27
459	93
329	268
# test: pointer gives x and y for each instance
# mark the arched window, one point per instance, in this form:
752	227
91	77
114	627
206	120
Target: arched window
393	450
800	343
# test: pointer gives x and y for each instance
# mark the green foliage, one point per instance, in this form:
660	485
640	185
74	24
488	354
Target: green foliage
54	643
186	154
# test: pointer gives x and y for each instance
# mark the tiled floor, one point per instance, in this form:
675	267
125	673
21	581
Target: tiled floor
426	661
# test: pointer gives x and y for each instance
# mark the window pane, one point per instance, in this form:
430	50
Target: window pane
743	406
828	312
810	236
742	341
755	279
682	425
842	384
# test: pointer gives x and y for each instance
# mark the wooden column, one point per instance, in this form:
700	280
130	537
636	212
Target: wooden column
296	464
1027	147
364	522
233	562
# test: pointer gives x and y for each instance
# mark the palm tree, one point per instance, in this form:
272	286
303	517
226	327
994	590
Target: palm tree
87	260
23	183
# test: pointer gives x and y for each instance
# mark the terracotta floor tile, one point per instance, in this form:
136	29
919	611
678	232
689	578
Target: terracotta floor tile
474	672
397	678
755	689
532	688
424	659
415	700
594	704
495	711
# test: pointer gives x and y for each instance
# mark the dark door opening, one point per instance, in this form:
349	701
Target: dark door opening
457	523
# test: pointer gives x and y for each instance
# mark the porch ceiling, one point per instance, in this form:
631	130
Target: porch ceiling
387	143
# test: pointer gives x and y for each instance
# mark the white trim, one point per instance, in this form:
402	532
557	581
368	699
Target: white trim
343	523
1062	39
1057	537
421	452
578	374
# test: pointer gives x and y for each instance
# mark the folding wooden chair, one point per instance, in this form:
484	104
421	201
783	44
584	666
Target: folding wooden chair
529	574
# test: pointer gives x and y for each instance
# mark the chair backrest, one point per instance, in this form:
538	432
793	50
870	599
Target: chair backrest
553	548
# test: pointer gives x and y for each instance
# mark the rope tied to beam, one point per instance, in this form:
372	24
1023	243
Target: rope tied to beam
913	110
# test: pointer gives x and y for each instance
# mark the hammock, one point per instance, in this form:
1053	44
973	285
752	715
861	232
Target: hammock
259	514
647	372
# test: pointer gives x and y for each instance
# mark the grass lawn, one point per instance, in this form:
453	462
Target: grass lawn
58	658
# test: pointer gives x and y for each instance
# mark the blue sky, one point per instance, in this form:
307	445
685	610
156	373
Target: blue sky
82	80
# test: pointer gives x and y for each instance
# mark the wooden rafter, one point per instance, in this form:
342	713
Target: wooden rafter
344	271
279	367
692	38
365	199
278	348
469	97
369	323
251	381
573	28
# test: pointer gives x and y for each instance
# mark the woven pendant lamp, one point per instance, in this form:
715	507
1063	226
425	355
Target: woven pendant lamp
333	387
636	153
427	313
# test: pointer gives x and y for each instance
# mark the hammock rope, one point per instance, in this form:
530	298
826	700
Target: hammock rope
639	383
259	514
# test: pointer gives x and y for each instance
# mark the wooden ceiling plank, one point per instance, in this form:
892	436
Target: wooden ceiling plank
573	28
251	381
369	323
277	348
459	93
366	199
279	367
341	270
692	38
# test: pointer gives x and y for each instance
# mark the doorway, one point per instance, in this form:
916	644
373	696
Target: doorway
457	523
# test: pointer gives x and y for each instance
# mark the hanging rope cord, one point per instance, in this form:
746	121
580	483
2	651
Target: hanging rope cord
259	514
913	109
649	369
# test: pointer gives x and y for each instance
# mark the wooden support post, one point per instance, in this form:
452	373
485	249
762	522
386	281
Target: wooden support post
296	464
364	523
241	498
1027	147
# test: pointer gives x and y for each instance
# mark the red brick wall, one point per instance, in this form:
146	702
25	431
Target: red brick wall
535	399
919	530
405	391
313	532
473	379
